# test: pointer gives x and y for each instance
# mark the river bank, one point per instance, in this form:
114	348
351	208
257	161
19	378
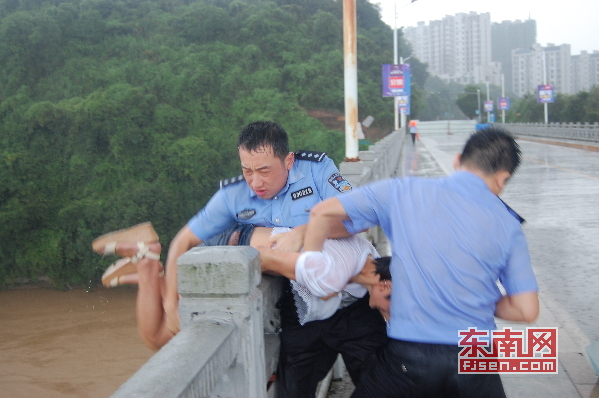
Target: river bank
77	343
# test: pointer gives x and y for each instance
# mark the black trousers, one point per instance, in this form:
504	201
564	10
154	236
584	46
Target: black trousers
308	352
238	235
408	369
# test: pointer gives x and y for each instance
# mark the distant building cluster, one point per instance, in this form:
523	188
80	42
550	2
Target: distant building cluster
469	49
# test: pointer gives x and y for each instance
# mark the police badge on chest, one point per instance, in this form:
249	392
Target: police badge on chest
246	214
302	193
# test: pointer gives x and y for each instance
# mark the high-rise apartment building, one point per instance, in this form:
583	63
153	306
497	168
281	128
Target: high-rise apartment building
507	36
528	68
457	48
467	48
585	71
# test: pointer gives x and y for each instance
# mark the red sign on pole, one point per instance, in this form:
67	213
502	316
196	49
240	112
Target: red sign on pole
396	82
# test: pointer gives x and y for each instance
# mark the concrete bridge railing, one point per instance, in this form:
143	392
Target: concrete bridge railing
228	345
562	131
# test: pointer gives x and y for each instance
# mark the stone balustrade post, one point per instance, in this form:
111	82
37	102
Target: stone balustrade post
220	284
220	350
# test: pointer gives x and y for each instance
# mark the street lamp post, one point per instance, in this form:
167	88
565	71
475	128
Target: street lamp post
403	115
395	99
478	99
544	80
544	83
502	96
488	113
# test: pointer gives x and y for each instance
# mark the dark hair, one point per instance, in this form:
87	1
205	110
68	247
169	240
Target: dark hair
381	267
264	134
491	150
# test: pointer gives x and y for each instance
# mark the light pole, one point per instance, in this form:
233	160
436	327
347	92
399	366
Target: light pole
544	79
403	115
502	96
396	99
350	78
545	83
478	99
487	101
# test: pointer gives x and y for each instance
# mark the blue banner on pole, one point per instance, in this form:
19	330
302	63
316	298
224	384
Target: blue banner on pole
396	80
403	102
489	106
503	103
545	94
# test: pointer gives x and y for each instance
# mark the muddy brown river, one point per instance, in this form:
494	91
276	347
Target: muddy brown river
68	344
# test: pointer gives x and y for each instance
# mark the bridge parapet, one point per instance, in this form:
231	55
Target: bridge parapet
228	345
381	160
564	131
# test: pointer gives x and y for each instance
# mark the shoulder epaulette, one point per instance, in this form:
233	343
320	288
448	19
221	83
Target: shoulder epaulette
229	181
313	156
513	213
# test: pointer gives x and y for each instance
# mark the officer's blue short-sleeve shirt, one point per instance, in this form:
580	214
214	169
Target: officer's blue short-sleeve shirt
451	240
309	182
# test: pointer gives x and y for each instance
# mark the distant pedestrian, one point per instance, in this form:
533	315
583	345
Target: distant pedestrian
413	130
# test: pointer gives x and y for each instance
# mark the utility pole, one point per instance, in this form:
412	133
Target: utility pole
543	60
488	113
480	115
350	78
395	99
545	83
401	61
502	96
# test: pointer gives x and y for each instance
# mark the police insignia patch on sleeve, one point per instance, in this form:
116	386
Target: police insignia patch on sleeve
313	156
229	181
339	182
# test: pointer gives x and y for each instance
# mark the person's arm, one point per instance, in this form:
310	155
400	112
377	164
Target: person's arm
183	241
293	240
276	262
522	307
323	217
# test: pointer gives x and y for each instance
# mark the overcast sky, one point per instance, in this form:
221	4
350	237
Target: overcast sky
574	22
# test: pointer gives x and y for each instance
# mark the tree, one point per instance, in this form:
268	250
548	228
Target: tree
114	112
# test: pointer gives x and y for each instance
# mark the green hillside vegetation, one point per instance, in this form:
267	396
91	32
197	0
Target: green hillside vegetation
114	112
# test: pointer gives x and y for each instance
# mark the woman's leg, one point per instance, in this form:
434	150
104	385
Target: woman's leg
151	322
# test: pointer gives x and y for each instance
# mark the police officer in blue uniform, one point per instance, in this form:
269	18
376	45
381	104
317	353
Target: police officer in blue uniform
312	177
278	189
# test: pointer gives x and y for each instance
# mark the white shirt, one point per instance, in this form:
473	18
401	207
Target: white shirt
318	274
328	271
